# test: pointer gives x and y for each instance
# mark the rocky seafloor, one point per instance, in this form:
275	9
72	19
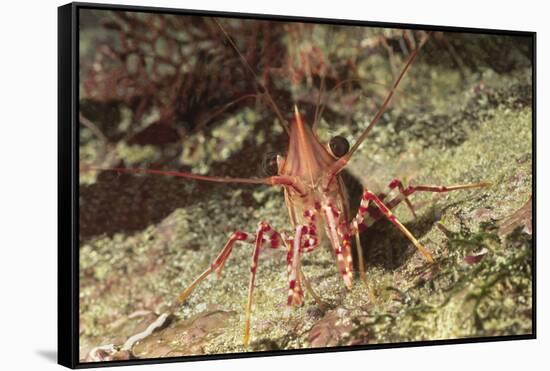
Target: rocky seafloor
479	286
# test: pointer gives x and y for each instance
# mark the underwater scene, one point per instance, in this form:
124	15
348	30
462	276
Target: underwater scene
267	185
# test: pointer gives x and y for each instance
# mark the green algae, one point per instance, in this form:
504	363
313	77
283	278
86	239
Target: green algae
471	129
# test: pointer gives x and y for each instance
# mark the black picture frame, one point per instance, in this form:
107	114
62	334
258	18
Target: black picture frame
68	181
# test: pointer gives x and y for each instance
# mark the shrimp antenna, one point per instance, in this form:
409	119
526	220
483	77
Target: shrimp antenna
329	93
264	90
277	180
342	162
319	107
387	100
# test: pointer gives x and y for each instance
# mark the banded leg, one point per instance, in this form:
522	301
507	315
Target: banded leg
404	193
359	223
368	196
367	216
441	189
263	228
322	305
295	292
305	240
217	264
259	240
403	196
396	183
340	239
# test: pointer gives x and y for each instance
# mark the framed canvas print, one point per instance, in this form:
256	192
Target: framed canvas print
235	185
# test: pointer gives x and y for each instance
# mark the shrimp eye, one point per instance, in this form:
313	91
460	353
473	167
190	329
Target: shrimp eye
269	164
339	146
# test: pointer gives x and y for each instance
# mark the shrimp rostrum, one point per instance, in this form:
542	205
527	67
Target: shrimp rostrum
310	175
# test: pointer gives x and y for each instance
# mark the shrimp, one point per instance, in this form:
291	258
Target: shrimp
316	199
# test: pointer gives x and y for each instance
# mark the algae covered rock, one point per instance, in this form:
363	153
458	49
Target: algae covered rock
457	118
